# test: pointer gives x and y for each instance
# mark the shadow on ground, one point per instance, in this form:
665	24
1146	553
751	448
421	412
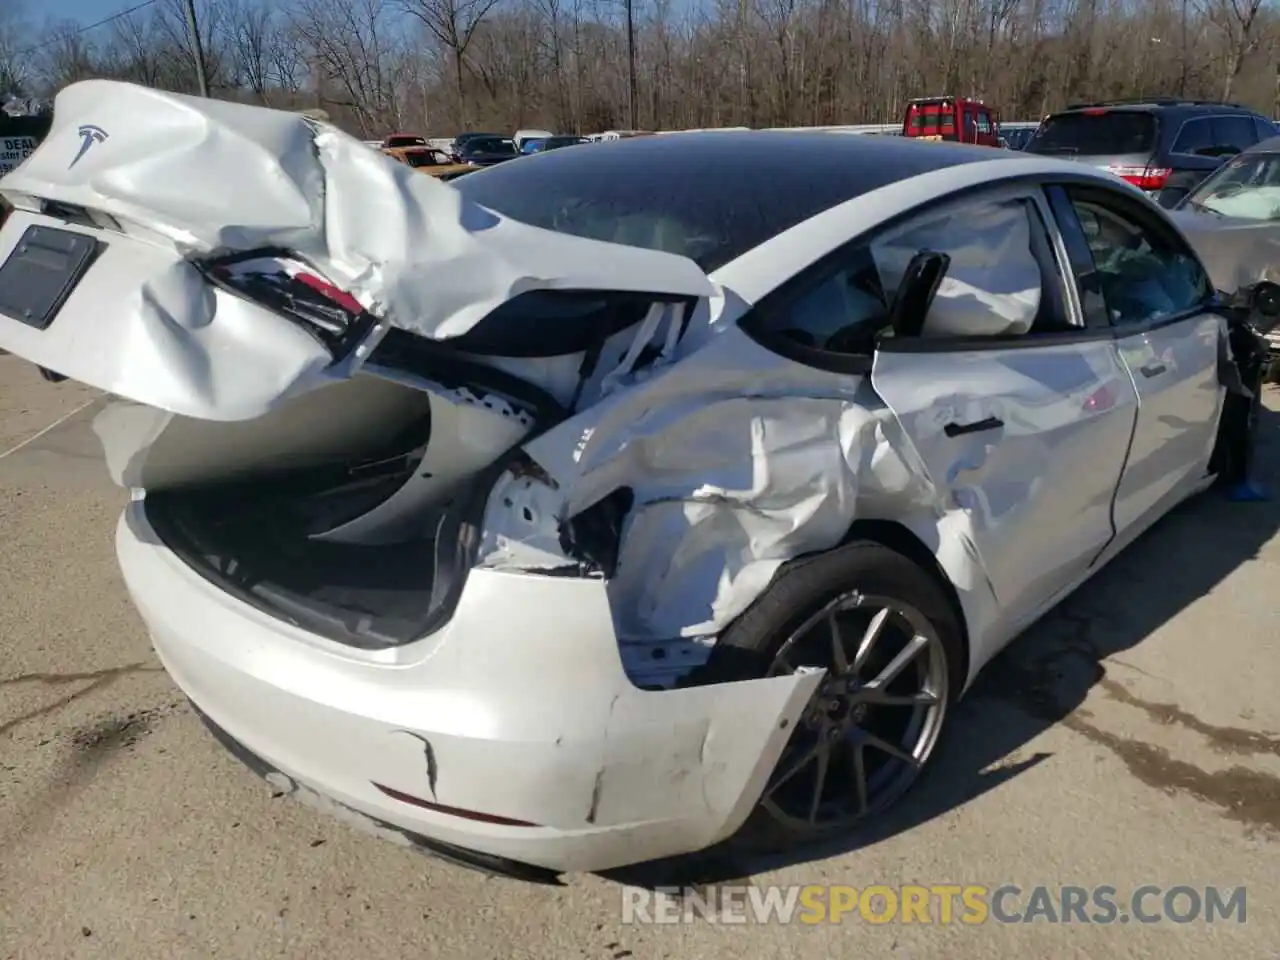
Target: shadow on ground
1043	677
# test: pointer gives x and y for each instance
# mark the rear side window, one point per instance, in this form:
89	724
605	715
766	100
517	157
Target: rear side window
1264	128
1002	264
1236	131
1095	133
1195	137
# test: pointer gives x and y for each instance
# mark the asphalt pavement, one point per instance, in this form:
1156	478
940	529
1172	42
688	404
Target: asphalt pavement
1131	739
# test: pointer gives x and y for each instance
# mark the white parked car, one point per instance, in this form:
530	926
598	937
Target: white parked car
583	512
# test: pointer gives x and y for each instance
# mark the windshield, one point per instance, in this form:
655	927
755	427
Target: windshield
1247	187
494	145
1093	134
420	158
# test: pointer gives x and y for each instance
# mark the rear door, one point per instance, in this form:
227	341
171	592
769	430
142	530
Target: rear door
1022	434
1158	298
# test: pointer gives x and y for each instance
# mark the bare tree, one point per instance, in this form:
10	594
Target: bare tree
453	23
15	68
1238	21
440	65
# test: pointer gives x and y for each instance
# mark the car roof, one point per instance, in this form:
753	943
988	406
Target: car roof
1270	145
1157	104
731	190
864	163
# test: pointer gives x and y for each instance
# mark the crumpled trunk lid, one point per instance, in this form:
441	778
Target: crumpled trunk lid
104	272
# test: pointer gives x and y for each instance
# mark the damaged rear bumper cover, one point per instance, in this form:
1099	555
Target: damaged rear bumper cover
522	741
493	866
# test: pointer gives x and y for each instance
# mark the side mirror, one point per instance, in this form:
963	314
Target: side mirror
916	292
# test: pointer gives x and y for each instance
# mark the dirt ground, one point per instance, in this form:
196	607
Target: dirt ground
1132	738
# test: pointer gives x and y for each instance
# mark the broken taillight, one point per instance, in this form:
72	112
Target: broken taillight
1144	178
287	285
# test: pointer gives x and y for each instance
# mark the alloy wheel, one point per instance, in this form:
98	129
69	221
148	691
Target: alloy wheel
873	721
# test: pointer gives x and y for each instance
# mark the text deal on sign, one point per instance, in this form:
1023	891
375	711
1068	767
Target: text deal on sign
13	150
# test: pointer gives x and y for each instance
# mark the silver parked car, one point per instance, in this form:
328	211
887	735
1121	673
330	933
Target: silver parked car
596	508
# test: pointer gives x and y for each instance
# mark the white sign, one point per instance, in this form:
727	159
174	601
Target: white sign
13	150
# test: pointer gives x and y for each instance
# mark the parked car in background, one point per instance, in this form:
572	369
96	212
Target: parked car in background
1016	136
509	534
1164	146
522	137
461	139
1233	220
486	151
399	141
435	163
553	143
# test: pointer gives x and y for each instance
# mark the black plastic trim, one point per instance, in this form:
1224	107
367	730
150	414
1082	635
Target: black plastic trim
84	252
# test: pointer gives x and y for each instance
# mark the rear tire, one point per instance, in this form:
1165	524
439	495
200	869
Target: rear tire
862	740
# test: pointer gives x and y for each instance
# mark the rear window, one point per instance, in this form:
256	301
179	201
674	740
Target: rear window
420	158
930	118
406	141
1108	132
709	197
491	145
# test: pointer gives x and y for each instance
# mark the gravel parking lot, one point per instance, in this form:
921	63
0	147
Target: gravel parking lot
1132	738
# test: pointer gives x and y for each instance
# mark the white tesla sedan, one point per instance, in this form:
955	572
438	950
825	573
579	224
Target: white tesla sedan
616	499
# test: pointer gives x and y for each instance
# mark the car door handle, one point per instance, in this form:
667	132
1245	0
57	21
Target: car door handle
956	429
1152	369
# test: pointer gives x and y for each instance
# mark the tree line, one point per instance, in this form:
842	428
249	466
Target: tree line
440	66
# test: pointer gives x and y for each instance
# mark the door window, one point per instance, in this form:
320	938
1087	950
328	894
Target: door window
1002	281
1264	129
1234	131
1146	275
984	122
1195	137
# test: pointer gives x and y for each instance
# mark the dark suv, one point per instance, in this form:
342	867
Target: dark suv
1163	145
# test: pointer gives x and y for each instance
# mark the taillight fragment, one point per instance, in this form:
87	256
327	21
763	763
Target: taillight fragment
284	283
1144	178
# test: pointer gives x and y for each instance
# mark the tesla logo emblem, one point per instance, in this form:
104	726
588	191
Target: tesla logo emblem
89	135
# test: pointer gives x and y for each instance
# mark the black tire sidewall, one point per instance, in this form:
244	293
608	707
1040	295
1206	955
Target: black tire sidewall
747	648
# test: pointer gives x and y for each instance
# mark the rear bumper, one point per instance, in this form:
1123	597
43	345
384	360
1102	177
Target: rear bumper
512	733
494	866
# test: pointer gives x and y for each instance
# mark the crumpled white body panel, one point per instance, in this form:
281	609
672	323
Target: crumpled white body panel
739	460
406	246
1237	252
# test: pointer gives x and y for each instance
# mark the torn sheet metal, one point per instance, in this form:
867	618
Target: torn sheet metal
210	176
738	460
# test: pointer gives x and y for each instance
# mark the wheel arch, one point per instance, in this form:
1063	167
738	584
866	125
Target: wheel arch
901	539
